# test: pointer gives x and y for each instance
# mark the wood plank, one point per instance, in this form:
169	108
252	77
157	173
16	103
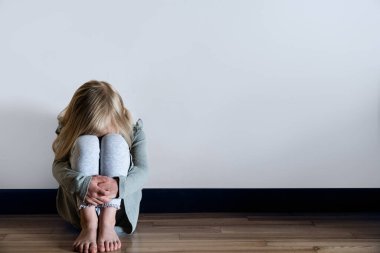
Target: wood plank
348	249
348	223
200	222
322	242
207	232
218	246
288	230
183	229
222	236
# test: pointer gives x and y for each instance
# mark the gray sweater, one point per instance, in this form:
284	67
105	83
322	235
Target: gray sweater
73	183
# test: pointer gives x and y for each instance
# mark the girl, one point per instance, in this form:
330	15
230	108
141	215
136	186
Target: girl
101	166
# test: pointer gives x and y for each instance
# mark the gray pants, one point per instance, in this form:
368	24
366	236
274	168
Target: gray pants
107	156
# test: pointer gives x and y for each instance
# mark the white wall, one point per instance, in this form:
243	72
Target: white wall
233	94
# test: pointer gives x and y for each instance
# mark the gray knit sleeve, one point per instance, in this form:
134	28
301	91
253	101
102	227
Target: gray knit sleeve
139	170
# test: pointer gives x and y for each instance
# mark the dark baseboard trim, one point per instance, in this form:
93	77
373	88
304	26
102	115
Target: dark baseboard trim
42	201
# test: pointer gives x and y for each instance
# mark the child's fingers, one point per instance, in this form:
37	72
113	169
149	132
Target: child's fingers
102	192
98	201
110	186
91	201
100	197
104	185
104	199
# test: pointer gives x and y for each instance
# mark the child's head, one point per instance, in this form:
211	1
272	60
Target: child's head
95	108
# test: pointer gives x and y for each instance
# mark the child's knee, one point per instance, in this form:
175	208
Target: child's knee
115	155
87	143
114	141
85	154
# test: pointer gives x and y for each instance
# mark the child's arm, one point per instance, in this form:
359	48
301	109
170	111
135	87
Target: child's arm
70	180
138	173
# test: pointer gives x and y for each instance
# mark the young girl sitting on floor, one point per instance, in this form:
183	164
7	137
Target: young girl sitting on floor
101	166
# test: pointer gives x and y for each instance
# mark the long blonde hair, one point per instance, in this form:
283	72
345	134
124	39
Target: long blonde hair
94	105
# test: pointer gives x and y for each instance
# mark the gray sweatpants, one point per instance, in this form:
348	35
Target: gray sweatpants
107	156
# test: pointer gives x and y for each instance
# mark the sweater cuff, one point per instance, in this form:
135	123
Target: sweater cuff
83	189
122	185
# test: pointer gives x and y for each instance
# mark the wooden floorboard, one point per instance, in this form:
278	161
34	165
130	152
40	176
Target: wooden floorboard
208	232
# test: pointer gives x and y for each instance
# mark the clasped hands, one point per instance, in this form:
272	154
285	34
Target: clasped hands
101	190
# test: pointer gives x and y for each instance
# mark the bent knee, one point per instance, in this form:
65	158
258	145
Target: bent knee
87	143
113	140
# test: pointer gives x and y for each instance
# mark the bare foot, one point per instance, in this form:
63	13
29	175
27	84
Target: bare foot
86	241
108	240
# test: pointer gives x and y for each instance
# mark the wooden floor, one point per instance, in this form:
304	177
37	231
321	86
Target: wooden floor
208	232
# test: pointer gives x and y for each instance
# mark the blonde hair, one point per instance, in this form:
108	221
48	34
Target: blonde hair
94	105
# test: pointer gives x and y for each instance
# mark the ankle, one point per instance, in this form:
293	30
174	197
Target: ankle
107	217
107	222
89	226
89	219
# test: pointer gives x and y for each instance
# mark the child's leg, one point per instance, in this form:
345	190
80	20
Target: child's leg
86	241
84	155
85	159
114	161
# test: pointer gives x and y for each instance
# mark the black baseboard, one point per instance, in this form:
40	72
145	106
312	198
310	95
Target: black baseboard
42	201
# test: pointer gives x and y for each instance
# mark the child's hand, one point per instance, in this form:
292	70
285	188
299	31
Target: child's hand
110	185
97	195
